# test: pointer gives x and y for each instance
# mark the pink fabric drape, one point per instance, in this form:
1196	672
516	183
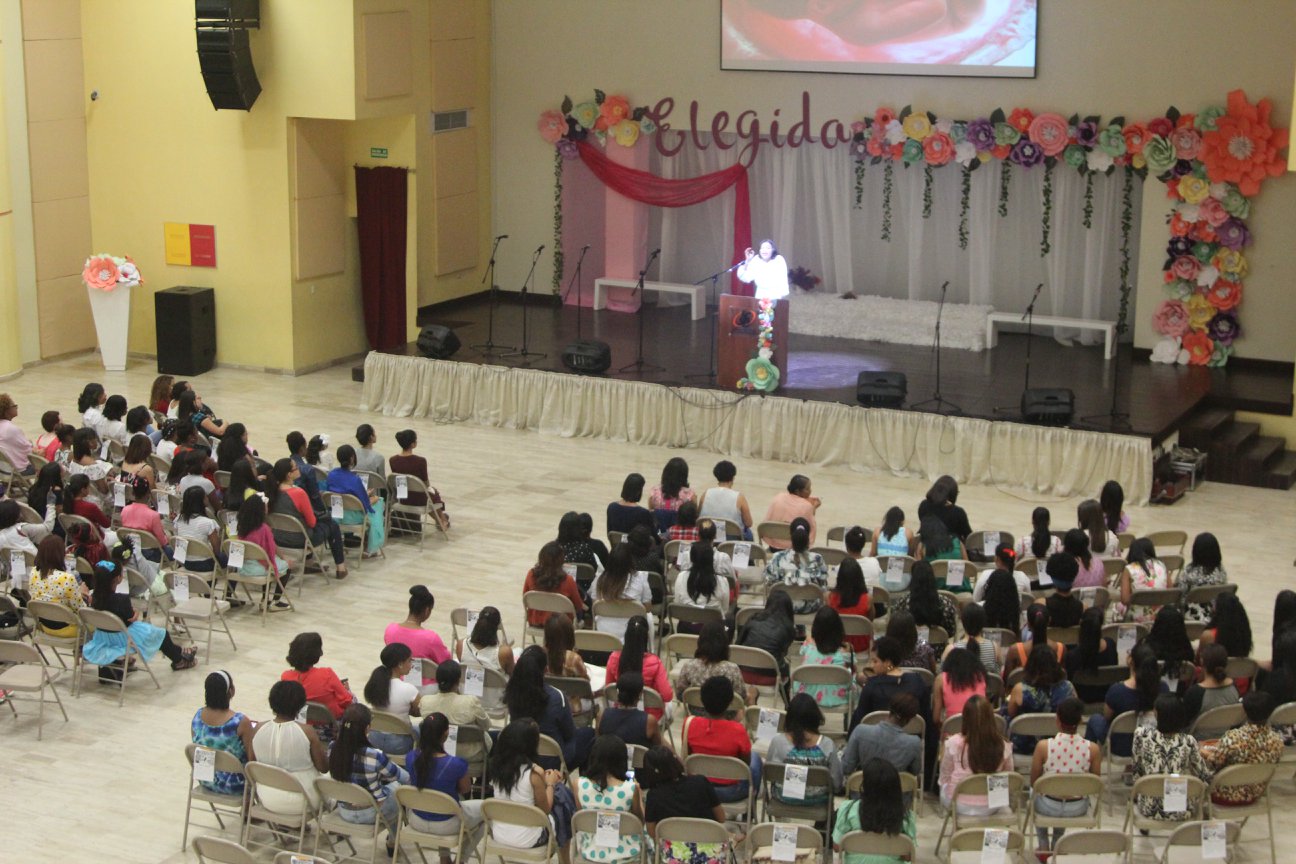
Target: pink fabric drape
661	192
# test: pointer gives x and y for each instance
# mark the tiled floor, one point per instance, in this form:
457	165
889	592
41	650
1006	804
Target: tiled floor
109	785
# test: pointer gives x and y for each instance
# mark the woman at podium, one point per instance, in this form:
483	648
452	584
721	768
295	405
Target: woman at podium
768	270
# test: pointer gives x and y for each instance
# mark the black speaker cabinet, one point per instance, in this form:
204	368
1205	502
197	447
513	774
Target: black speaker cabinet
225	51
588	357
186	330
881	389
1048	406
438	342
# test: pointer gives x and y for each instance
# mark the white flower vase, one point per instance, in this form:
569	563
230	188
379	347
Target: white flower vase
111	311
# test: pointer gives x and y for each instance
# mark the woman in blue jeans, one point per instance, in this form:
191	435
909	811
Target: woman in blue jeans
354	761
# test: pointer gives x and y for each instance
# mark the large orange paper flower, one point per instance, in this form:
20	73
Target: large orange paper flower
1199	347
100	272
613	110
1243	148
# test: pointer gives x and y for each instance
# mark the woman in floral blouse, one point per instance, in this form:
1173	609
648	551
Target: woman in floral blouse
1206	567
799	566
1251	743
1167	749
52	583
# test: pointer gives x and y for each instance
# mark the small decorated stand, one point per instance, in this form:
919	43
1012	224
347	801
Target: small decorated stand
109	280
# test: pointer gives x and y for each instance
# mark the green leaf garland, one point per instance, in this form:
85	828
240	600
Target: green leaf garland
1126	225
1045	244
965	202
927	192
1088	200
859	184
888	175
1005	176
558	223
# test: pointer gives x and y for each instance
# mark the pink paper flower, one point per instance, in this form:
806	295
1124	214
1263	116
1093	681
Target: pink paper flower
1187	142
552	125
1171	319
100	272
1213	212
1049	131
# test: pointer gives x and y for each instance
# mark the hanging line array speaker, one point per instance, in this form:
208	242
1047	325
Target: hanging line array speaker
225	51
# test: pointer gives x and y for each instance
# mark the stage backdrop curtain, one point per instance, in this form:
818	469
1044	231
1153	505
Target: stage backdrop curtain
905	443
649	188
382	197
804	199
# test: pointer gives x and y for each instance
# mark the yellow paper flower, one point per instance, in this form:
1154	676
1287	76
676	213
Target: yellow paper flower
917	126
1138	161
1232	264
1193	189
1200	311
625	132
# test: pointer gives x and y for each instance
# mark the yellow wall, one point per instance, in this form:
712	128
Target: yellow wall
10	353
1096	56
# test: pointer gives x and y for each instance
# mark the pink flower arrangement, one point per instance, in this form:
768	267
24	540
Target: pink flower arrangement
108	272
1171	319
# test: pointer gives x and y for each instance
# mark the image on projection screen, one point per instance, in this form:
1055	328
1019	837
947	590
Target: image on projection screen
993	38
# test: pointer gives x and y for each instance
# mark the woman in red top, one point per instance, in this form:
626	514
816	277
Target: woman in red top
548	575
321	683
850	596
287	497
716	735
406	462
634	657
76	494
160	395
252	527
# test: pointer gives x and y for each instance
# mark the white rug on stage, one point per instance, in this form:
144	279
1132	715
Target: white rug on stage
885	319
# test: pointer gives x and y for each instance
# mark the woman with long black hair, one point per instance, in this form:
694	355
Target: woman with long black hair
387	690
924	601
528	697
431	767
1138	693
880	809
798	566
1040	542
1205	567
634	656
352	760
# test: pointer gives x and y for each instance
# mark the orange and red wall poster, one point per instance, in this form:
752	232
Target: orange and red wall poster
190	245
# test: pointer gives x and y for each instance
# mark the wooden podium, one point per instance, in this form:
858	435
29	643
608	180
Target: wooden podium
737	330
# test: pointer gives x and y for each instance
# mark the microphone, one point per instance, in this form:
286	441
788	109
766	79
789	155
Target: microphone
502	237
585	248
655	253
538	251
946	285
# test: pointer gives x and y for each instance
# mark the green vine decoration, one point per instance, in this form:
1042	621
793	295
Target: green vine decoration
859	184
965	202
558	223
1045	244
927	192
1088	200
1126	225
888	175
1004	177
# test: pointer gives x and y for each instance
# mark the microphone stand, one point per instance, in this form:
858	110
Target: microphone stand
488	347
713	312
523	354
942	406
1029	317
576	280
639	365
1116	420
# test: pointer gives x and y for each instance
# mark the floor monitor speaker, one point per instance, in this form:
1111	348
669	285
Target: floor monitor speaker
1048	406
186	330
588	357
438	342
881	389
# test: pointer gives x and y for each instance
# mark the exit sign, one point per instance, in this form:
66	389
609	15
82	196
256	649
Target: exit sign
377	152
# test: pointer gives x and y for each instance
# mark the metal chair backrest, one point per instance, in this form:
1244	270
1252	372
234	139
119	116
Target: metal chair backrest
1092	842
1153	786
221	851
832	557
596	641
762	835
779	531
546	601
871	843
1216	721
344	792
1168	542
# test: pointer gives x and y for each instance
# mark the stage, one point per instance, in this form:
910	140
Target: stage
985	441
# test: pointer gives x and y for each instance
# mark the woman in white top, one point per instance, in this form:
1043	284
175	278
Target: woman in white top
1102	543
387	690
515	776
700	585
89	404
620	581
85	460
768	270
482	647
1040	542
724	501
1064	753
113	427
292	746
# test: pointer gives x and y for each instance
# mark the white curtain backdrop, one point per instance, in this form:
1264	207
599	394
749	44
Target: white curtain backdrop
804	198
905	443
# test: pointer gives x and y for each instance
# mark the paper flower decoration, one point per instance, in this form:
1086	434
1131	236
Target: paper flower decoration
107	272
1243	147
761	375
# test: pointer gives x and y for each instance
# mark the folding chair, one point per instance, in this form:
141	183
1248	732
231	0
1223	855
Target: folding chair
1114	765
1032	725
1285	715
895	577
683	613
459	618
676	648
692	701
440	804
578	693
775	809
205	605
596	642
629	827
1168	542
1215	722
828	676
751	719
1100	679
14	480
779	531
351	506
393	724
966	845
1242	667
40	610
1204	595
495	810
411	518
978	785
984	542
832	557
908	786
758	662
277	822
616	538
801	594
217	802
95	619
543	601
1092	846
220	851
1189	834
807	838
873	843
1065	786
1244	775
27	674
9	605
333	794
297	548
1154	597
551	749
682	829
474	741
1153	786
253	553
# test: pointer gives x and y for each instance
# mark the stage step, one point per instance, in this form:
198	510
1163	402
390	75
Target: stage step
1255	458
1282	473
1224	464
1200	430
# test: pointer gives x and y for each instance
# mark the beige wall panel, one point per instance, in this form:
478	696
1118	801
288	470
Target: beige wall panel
456	234
454	74
454	160
319	159
321	236
62	237
54	80
387	63
452	19
58	159
51	19
66	324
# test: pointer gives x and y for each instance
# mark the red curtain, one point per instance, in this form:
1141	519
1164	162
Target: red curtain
382	198
658	191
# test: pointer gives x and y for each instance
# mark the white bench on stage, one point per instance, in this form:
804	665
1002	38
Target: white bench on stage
996	318
697	292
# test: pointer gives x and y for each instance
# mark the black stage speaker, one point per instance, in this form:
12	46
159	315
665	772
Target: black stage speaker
438	342
588	357
186	330
881	389
1048	406
225	52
